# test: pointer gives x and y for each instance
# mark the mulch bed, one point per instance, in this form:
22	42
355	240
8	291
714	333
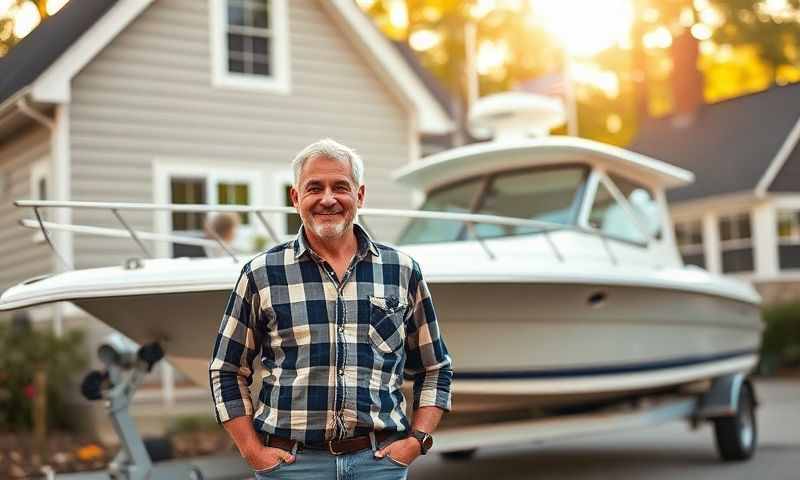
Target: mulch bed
68	453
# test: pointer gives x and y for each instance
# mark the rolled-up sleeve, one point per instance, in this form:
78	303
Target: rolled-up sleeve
427	360
236	346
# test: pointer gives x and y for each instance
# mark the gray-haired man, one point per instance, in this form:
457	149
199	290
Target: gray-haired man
337	320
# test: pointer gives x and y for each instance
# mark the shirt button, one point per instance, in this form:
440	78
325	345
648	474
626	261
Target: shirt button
341	372
341	328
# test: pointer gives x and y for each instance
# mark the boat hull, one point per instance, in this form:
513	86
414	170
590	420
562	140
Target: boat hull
514	345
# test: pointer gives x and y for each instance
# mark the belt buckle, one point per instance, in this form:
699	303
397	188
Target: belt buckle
330	449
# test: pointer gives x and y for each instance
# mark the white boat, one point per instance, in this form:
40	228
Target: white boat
551	262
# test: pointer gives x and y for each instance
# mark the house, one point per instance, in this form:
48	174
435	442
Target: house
192	101
742	215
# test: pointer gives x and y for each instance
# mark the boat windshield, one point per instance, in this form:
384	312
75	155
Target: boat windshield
550	194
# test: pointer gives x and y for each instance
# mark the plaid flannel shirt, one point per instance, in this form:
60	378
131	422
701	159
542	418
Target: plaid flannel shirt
334	353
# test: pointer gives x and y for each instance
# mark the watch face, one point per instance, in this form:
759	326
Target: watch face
425	440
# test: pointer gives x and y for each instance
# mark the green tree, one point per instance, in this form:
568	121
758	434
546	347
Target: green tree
7	37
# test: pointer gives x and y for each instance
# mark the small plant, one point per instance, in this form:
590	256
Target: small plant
29	359
781	342
260	243
193	424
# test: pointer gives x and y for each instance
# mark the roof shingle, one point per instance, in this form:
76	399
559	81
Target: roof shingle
729	145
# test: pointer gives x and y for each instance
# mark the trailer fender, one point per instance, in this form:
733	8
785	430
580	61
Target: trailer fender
722	399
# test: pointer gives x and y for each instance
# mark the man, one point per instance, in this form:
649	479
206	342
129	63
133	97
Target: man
337	319
220	226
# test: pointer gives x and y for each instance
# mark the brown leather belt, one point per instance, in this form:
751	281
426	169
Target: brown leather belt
334	447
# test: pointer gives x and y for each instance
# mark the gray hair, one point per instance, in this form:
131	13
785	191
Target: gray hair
333	150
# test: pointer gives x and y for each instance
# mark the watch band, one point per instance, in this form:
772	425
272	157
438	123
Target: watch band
425	440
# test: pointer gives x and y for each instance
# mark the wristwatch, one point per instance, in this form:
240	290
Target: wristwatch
425	440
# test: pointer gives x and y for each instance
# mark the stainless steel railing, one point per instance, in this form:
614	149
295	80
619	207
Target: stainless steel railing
469	219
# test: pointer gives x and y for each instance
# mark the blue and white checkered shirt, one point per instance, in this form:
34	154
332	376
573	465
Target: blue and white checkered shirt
334	352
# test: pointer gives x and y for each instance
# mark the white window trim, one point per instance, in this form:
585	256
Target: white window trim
736	243
280	181
280	80
691	248
40	170
164	170
794	238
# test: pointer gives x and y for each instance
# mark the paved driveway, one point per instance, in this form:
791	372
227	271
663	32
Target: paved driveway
667	452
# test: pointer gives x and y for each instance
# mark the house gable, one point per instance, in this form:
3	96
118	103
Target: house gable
47	43
788	177
78	42
729	145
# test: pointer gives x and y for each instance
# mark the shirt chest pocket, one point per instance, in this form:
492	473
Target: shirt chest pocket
387	331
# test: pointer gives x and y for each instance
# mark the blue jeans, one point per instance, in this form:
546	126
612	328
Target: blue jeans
319	464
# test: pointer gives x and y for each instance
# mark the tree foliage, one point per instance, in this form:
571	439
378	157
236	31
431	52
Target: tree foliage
7	37
24	350
750	49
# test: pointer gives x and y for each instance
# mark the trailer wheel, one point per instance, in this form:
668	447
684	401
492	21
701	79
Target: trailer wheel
459	455
737	436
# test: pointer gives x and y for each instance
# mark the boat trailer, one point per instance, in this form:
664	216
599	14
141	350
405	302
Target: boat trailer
729	404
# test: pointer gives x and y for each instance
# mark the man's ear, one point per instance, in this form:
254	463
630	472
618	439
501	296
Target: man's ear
360	195
294	195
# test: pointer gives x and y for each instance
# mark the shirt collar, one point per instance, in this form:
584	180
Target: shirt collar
365	243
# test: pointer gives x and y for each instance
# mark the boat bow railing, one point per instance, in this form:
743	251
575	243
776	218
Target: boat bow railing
138	237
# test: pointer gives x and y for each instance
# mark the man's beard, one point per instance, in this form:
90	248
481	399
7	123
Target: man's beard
328	230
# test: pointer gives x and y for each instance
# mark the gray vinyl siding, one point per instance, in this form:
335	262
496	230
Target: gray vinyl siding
148	96
20	257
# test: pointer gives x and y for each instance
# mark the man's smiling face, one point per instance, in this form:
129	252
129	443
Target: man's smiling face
326	197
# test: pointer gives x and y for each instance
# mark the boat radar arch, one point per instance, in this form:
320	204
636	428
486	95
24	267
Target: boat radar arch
514	116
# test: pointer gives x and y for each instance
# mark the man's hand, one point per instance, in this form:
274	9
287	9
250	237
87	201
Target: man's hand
263	458
404	451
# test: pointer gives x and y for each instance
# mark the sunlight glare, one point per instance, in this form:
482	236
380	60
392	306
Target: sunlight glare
398	14
701	31
710	16
26	19
491	56
481	8
585	27
5	5
422	40
606	81
365	4
658	38
53	6
613	123
777	9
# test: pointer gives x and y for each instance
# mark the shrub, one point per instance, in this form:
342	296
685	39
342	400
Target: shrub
781	342
24	350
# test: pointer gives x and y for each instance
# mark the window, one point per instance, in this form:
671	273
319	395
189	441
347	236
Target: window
689	237
250	44
458	198
550	195
789	239
736	243
186	190
231	193
293	220
547	195
186	184
642	202
612	219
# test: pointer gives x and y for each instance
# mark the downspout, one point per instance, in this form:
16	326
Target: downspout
60	174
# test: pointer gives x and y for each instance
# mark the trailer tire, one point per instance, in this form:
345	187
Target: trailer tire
737	436
459	455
